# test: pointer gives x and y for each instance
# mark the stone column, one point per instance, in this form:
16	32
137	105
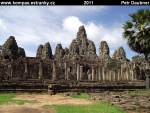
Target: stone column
78	72
26	68
81	72
93	71
147	73
54	71
106	74
127	74
132	75
73	68
121	74
66	71
26	71
89	75
99	73
134	71
147	82
110	76
114	75
40	69
96	71
103	73
11	69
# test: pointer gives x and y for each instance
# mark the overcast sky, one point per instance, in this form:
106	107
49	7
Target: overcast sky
34	25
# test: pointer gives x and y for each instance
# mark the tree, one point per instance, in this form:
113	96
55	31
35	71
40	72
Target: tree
137	32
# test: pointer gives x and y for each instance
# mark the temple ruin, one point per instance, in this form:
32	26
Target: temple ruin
77	63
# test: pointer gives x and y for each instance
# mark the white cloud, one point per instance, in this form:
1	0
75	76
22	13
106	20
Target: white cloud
71	24
112	34
111	52
97	33
93	31
32	26
30	53
2	25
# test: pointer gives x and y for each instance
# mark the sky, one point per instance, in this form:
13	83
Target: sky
35	25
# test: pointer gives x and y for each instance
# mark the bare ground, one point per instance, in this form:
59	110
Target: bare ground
41	99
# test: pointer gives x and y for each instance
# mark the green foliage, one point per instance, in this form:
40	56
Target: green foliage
8	98
140	92
21	102
137	110
137	31
82	95
103	107
5	98
46	106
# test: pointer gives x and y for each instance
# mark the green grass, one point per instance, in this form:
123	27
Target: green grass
46	106
21	102
140	92
4	98
102	107
82	95
8	98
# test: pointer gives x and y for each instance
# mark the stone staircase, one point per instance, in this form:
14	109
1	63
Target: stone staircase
22	85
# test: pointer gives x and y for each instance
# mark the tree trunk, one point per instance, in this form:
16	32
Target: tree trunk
146	57
147	72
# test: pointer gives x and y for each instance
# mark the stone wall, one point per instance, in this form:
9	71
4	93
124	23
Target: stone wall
80	62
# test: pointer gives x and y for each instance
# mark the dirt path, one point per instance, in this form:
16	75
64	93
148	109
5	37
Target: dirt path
41	99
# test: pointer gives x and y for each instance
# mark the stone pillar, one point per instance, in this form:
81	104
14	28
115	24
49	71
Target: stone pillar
119	75
147	82
40	69
127	74
66	71
110	76
54	71
81	72
132	75
74	65
78	72
26	68
103	73
96	71
147	74
114	75
93	72
100	77
106	74
89	77
134	71
11	69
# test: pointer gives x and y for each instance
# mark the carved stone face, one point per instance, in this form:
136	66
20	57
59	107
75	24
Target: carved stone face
59	47
47	48
75	49
81	33
115	55
40	49
121	52
104	49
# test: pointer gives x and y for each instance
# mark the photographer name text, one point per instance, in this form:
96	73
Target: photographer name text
135	3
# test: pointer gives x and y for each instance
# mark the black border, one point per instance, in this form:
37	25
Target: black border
75	2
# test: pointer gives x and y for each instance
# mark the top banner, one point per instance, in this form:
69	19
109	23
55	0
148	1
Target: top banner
75	2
